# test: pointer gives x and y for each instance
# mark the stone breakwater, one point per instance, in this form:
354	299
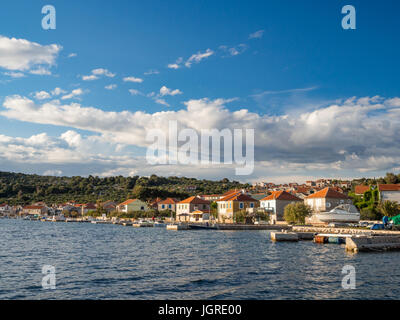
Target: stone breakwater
344	231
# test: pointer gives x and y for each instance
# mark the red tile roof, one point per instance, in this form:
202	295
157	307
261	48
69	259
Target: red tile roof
328	193
238	196
282	195
168	201
129	201
361	189
33	207
195	200
389	187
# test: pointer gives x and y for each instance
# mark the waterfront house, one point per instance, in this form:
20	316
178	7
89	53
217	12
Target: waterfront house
233	203
88	207
168	204
4	208
326	199
199	216
109	206
276	202
185	207
389	192
34	210
360	190
132	205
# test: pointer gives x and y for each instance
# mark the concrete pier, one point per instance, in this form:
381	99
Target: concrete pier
284	236
372	243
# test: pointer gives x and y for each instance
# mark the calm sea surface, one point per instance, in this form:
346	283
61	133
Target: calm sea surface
117	262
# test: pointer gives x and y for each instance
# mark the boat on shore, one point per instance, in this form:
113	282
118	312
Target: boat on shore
142	224
342	213
177	227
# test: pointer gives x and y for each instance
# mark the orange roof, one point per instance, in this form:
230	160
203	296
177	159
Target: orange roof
327	193
238	196
195	200
230	192
33	207
389	187
168	201
282	195
129	201
361	189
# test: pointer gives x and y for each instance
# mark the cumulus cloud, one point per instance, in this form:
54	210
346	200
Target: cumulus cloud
14	74
42	95
134	92
352	135
133	79
24	55
176	64
257	35
74	93
111	87
97	73
197	57
164	91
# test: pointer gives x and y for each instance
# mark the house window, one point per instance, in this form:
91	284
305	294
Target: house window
241	206
328	204
141	208
162	206
251	205
169	206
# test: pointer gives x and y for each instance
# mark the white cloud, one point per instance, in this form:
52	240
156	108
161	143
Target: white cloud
41	71
103	72
134	92
96	73
111	87
90	78
196	58
175	65
353	135
56	173
74	93
72	55
133	79
234	51
14	74
150	72
162	102
164	91
42	95
257	35
24	55
57	91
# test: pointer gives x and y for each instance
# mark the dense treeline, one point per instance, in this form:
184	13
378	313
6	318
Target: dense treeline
18	188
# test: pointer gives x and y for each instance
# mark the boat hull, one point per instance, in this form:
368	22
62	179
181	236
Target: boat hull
338	217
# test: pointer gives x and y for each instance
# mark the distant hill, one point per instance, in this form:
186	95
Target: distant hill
19	188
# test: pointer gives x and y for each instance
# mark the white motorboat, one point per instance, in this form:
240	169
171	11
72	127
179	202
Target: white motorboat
159	224
342	213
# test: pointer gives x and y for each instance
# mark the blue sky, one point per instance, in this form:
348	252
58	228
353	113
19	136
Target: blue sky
276	59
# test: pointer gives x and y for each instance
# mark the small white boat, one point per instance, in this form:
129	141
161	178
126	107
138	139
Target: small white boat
159	224
177	227
142	224
101	222
342	213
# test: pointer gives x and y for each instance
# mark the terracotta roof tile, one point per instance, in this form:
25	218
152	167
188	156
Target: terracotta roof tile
328	193
282	195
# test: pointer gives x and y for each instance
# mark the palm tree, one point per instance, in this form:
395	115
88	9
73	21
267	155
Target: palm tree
389	208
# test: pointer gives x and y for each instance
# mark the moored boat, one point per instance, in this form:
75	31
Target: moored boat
342	213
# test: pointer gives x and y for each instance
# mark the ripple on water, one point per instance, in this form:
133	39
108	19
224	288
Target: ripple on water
116	262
